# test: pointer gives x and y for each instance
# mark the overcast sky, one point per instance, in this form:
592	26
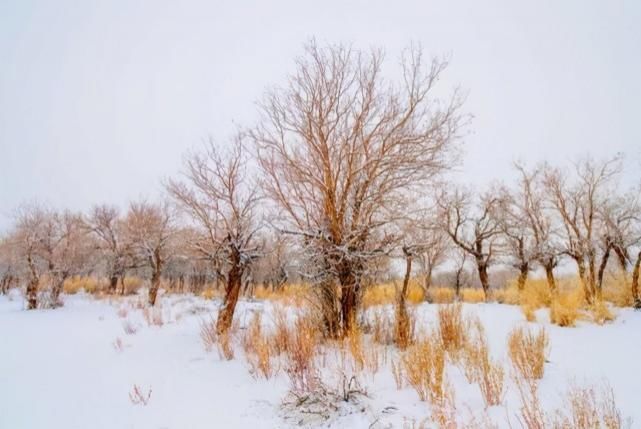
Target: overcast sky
100	99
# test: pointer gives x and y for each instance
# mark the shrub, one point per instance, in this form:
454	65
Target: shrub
528	351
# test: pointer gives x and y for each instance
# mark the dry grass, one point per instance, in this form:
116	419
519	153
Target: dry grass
528	352
600	313
452	328
480	368
280	340
153	316
423	366
441	295
300	359
222	343
586	407
292	294
617	290
379	326
75	284
210	293
565	307
208	334
118	345
386	293
129	327
472	295
258	348
138	397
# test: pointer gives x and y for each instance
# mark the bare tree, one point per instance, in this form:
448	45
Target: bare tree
30	239
223	204
9	265
432	248
68	251
150	228
620	217
577	205
108	228
271	269
474	228
341	151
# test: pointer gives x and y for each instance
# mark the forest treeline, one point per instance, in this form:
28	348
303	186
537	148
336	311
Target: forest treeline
344	173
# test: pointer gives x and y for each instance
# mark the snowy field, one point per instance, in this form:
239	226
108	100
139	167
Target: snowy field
75	367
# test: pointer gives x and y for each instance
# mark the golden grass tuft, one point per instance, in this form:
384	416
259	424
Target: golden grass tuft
300	359
423	365
528	352
600	313
480	368
452	327
565	307
589	408
258	349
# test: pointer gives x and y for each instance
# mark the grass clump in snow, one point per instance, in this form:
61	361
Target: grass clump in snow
480	368
452	327
423	366
528	352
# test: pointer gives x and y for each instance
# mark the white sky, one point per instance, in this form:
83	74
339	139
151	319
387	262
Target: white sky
100	99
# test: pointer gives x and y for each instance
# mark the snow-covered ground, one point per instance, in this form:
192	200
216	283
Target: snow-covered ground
63	369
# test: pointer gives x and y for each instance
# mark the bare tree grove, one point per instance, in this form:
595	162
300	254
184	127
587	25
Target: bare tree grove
343	180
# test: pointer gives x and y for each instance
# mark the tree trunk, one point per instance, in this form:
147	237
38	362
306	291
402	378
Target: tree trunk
587	291
402	318
330	312
122	284
234	283
635	279
32	293
56	290
153	289
602	266
483	277
113	284
349	296
549	275
524	269
427	280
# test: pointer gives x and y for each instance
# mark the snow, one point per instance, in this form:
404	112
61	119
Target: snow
60	369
